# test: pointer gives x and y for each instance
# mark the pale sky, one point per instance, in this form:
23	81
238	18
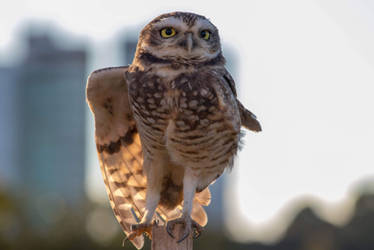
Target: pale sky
306	69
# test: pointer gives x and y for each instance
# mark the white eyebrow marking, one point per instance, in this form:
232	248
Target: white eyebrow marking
205	24
172	22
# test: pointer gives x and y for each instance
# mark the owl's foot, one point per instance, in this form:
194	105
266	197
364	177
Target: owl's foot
138	229
189	226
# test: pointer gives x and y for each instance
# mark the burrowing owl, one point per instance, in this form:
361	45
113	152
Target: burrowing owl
167	125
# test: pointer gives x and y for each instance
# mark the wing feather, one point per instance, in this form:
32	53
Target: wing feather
118	146
248	119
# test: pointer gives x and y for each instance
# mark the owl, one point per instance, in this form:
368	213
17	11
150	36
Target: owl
167	126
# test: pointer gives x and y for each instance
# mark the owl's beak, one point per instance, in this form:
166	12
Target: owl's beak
189	42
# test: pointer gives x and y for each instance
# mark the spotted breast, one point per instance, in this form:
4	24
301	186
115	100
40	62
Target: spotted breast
193	117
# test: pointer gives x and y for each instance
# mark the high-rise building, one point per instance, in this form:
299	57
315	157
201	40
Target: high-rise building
51	107
42	127
8	126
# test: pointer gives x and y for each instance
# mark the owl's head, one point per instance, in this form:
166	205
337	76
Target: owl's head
179	37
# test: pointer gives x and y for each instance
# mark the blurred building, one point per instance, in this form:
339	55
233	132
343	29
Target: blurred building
43	133
52	123
128	47
8	122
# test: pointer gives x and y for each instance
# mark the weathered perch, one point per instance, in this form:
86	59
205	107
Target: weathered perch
161	240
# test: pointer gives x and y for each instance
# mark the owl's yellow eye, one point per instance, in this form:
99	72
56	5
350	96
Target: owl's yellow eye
168	32
205	34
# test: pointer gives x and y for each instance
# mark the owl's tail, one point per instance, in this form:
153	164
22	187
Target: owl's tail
198	213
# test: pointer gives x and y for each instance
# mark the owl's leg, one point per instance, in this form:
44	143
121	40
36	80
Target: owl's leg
145	225
189	188
154	177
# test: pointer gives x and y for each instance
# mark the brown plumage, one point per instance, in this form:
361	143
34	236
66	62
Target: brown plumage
166	126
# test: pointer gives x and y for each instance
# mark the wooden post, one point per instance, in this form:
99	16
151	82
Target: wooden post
161	240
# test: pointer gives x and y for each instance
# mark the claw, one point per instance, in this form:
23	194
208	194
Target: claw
169	229
124	241
189	225
197	230
138	229
185	235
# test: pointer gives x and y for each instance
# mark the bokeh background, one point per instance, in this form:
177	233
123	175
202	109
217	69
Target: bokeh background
305	68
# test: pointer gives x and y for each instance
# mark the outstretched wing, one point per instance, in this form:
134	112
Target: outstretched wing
248	119
118	146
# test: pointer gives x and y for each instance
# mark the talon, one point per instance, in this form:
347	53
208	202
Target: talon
138	229
170	225
185	235
196	234
124	241
189	225
169	229
197	230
